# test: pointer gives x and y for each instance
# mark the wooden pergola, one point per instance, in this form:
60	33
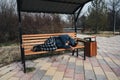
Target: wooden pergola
72	7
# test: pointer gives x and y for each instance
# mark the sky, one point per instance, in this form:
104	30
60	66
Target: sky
85	9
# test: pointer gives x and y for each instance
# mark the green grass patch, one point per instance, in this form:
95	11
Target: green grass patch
30	69
8	44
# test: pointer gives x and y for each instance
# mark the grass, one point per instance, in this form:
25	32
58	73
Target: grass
102	34
9	54
30	69
8	44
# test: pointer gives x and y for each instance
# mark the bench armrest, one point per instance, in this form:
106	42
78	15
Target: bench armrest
80	40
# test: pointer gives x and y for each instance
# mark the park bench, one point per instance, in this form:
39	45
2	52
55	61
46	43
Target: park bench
29	40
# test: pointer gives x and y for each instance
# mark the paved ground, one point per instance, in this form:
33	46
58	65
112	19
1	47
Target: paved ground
105	66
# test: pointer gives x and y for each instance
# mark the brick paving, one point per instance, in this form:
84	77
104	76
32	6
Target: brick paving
105	66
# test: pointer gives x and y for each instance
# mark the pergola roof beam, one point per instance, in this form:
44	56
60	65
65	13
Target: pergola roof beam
51	6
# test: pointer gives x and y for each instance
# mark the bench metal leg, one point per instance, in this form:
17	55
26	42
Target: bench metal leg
77	53
24	66
23	60
84	54
22	55
73	52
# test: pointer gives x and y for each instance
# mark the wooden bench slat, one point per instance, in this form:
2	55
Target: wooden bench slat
34	38
29	52
29	41
32	44
42	35
39	37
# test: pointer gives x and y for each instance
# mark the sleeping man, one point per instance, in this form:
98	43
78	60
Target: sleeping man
53	43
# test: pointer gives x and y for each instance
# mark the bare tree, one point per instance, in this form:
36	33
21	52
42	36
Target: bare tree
8	20
31	22
97	18
114	8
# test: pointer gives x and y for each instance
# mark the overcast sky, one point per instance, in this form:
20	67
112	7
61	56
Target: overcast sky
85	8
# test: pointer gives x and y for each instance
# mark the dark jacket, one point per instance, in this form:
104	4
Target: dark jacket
62	39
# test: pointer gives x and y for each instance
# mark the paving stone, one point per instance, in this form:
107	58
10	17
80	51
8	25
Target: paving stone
46	59
8	75
37	60
104	66
41	63
79	77
29	64
99	57
117	61
54	68
101	77
94	62
4	67
110	62
67	79
62	67
99	73
47	77
98	70
87	66
60	57
69	73
112	56
79	69
27	76
38	65
79	62
58	76
38	74
19	74
8	69
118	78
13	78
66	57
46	66
53	59
71	65
87	60
111	76
55	64
72	59
116	71
64	62
50	72
89	75
102	61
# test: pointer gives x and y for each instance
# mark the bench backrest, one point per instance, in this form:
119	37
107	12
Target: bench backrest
29	40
